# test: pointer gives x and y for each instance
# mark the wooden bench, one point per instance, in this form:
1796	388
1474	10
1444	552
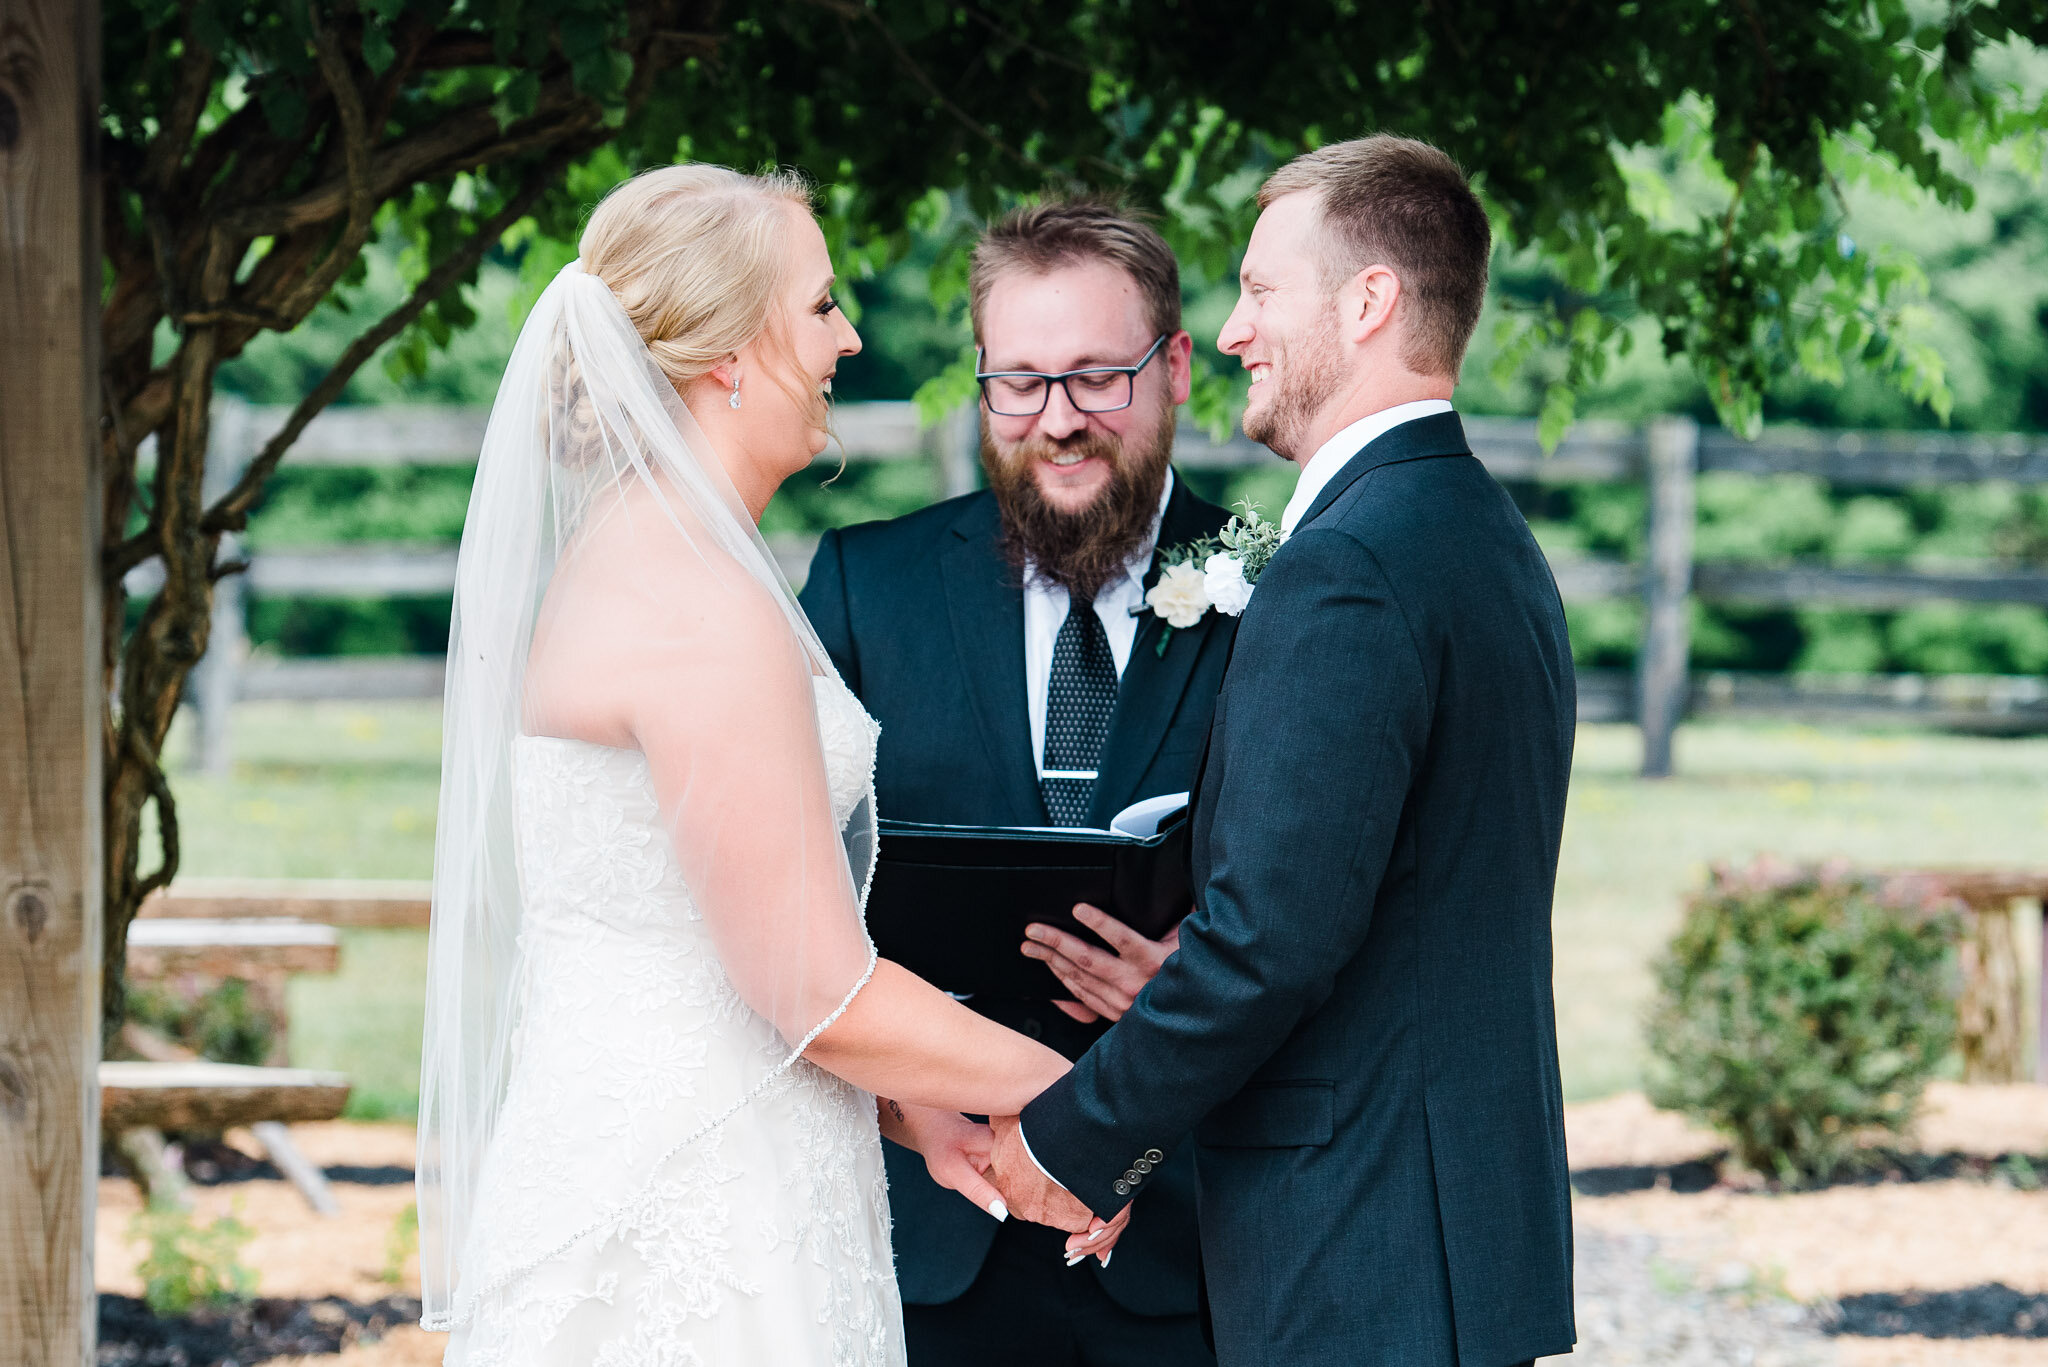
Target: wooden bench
250	949
139	1101
262	953
201	1095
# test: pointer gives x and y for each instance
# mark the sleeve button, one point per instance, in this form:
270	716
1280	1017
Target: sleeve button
1143	1165
1121	1188
1155	1155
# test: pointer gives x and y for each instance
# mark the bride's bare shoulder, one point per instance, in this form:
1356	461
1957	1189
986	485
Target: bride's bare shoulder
638	607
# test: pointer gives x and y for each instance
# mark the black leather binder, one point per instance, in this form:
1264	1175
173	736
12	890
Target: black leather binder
950	903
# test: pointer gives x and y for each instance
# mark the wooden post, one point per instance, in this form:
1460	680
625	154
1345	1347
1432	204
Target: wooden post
958	448
1662	665
2041	1001
1991	1003
49	679
216	680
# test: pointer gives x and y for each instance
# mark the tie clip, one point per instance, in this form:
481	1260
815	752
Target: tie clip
1070	773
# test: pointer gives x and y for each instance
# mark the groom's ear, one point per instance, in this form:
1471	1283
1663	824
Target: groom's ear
1368	303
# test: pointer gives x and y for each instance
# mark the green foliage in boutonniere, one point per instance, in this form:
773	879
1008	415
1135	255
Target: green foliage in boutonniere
1215	572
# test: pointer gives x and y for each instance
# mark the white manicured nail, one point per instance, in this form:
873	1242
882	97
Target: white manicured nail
1097	1234
1075	1259
1107	1256
998	1209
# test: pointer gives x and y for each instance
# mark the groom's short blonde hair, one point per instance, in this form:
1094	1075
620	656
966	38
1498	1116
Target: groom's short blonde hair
1043	237
1401	203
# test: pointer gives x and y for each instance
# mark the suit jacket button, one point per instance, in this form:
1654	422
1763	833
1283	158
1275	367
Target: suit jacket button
1143	1165
1155	1155
1121	1188
1133	1177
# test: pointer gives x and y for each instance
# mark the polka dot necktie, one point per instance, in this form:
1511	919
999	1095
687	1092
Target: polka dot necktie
1078	700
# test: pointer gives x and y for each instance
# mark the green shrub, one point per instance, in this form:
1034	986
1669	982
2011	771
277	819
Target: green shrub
1800	1009
188	1263
224	1022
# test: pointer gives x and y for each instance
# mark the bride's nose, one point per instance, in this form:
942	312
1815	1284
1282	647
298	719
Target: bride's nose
849	340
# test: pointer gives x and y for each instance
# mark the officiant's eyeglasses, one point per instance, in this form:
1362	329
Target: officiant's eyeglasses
1094	389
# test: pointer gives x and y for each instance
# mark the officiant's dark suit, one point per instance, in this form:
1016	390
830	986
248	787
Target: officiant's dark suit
1355	1039
925	621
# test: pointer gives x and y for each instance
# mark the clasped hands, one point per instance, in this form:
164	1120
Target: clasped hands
989	1164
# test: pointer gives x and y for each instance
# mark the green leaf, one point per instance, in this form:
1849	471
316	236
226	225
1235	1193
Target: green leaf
378	54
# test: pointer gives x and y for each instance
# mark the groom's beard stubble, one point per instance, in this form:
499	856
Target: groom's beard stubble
1079	551
1305	376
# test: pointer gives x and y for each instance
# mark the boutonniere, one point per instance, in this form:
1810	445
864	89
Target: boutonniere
1217	572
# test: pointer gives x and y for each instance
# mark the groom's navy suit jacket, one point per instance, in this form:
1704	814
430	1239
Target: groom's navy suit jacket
925	622
1356	1037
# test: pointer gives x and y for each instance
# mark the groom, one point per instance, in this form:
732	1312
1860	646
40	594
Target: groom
1003	643
1356	1039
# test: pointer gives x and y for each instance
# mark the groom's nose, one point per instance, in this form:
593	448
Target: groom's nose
1237	331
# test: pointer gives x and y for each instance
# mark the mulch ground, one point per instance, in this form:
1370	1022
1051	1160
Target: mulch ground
1933	1253
1936	1253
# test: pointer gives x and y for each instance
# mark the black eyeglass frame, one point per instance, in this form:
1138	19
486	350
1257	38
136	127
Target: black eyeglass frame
1129	372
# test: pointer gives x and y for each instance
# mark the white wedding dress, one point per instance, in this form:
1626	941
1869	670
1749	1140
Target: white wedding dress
762	1235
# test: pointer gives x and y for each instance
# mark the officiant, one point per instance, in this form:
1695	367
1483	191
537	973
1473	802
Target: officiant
1003	641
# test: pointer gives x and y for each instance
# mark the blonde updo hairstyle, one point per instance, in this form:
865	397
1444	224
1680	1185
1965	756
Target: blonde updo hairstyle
699	257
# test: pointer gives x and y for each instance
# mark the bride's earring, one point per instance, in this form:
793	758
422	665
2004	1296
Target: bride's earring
734	401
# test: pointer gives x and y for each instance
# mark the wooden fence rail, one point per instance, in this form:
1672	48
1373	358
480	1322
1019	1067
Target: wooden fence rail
1667	456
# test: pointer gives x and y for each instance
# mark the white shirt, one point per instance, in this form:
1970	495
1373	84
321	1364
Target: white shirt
1045	611
1336	453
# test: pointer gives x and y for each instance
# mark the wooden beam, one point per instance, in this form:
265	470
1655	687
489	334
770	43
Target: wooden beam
356	904
1878	589
49	679
1881	459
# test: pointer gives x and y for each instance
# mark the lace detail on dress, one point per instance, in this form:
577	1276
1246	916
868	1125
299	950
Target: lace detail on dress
670	1183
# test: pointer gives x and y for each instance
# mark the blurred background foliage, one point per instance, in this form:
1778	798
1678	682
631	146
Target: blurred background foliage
1985	311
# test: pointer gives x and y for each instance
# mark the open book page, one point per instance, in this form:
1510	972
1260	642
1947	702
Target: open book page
1139	821
1143	818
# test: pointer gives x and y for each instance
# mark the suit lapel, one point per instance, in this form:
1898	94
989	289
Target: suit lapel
986	607
1150	691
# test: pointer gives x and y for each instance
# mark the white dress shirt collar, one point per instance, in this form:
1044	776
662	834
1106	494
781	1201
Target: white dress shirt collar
1336	453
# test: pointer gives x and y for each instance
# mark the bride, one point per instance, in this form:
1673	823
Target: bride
656	1028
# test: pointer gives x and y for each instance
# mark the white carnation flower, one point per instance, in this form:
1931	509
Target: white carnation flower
1223	580
1178	596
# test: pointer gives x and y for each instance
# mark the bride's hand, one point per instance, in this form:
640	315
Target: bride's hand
1100	1239
956	1150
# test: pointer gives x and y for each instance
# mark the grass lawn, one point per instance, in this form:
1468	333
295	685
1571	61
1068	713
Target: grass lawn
347	790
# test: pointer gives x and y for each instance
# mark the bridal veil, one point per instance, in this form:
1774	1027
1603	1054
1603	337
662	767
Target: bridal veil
597	497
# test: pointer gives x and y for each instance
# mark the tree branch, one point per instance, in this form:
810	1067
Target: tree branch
232	510
195	81
847	9
356	142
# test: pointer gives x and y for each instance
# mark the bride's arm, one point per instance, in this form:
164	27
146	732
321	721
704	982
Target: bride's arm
724	709
903	1038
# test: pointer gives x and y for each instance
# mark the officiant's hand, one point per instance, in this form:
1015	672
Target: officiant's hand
1103	984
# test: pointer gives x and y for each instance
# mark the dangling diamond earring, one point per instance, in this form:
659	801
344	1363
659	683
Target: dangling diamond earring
734	401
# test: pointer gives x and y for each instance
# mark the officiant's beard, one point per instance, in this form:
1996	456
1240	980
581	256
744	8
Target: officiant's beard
1305	376
1086	548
